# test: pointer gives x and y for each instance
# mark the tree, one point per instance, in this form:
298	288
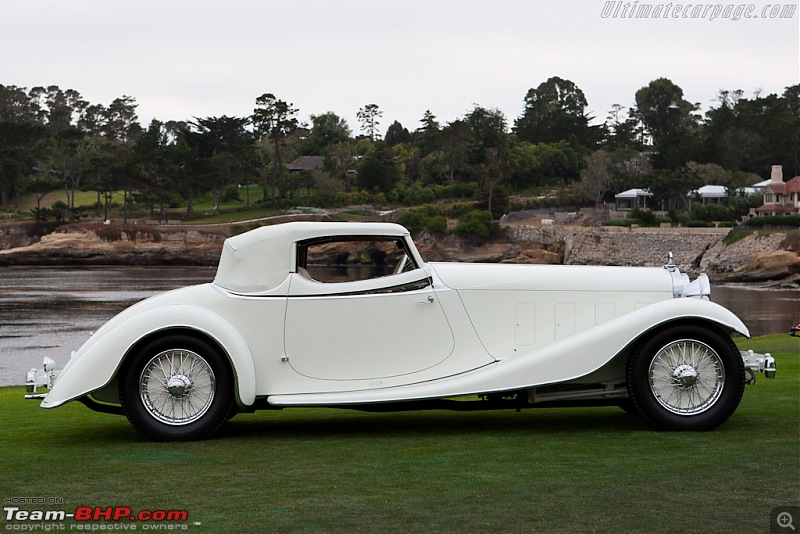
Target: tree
340	160
752	134
456	141
672	185
16	106
41	184
544	164
368	117
596	178
428	136
276	120
490	148
151	163
396	134
120	120
20	144
328	129
378	170
63	159
623	132
607	172
662	109
556	111
226	146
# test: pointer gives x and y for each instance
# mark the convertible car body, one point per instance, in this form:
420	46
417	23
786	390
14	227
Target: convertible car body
349	315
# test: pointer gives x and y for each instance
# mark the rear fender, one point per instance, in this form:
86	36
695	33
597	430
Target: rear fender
97	363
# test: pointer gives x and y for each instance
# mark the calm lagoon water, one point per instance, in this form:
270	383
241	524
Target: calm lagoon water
52	311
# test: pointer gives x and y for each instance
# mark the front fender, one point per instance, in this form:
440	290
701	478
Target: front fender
98	362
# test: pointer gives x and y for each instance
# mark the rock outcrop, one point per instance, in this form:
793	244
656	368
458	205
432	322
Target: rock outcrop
755	257
770	266
118	245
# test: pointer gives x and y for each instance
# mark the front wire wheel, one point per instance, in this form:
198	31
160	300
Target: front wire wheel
177	388
686	378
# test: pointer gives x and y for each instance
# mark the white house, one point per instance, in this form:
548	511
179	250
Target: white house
631	198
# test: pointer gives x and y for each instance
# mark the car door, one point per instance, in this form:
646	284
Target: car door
368	328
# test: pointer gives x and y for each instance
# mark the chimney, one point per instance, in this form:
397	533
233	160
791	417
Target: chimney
777	174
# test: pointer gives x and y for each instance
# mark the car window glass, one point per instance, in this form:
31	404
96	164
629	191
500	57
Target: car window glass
350	259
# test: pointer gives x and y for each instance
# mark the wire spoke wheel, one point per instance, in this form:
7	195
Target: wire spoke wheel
177	386
686	377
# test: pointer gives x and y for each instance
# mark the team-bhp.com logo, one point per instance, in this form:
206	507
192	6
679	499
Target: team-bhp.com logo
93	514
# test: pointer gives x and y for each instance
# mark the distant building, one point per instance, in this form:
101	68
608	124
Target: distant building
306	163
627	200
780	198
709	194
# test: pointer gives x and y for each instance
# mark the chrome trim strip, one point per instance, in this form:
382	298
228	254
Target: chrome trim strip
402	288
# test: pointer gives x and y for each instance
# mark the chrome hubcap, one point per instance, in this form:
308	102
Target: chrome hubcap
177	386
686	377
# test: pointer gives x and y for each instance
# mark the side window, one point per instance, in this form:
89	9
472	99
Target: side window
351	259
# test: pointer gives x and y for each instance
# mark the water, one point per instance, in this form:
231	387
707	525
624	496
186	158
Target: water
763	310
53	311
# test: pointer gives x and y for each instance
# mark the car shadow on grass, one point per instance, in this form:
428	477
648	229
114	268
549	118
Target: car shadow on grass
294	423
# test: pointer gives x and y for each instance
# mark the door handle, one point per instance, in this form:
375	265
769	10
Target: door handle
428	301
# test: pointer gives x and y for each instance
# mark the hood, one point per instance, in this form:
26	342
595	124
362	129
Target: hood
515	277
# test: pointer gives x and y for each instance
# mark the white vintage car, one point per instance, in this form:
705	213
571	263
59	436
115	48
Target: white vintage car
284	325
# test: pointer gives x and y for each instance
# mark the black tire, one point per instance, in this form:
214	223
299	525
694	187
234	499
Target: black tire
686	377
177	388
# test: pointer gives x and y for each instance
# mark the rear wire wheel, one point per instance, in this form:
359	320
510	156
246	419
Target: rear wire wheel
686	377
177	388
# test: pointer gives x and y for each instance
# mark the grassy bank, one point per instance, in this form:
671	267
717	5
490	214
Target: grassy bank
315	470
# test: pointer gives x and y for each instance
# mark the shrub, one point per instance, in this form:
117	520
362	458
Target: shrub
423	218
792	221
437	224
618	222
644	217
477	223
231	194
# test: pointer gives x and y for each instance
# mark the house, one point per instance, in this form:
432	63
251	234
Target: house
709	194
631	198
306	163
780	198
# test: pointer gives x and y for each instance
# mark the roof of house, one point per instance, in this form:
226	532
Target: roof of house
711	191
634	193
792	186
307	163
776	208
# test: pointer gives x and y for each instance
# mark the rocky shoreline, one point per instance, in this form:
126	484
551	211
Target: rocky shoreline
770	259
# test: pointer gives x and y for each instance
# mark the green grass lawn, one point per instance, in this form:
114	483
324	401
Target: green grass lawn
203	206
321	470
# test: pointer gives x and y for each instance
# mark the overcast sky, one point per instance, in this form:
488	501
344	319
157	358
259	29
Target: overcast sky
199	58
